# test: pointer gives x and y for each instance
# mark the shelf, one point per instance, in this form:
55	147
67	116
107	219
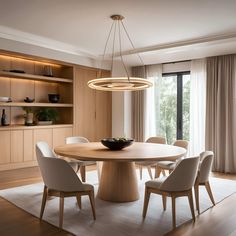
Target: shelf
34	104
23	127
33	77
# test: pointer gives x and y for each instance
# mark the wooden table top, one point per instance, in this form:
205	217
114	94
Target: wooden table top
95	151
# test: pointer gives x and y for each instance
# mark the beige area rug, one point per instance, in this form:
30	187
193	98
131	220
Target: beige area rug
115	219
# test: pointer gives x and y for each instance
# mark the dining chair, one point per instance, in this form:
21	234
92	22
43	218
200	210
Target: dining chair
60	180
175	185
48	152
149	164
170	165
206	160
82	164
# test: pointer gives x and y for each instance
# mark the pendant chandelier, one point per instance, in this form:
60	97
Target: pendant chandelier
126	83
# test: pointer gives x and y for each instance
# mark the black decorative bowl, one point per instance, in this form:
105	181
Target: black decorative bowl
53	98
116	144
29	100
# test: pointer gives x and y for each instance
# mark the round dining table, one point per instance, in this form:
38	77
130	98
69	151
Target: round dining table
118	182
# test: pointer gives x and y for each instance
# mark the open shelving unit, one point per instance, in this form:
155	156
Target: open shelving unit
34	84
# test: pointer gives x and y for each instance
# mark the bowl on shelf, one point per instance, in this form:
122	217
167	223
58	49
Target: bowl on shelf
53	98
5	99
116	143
29	100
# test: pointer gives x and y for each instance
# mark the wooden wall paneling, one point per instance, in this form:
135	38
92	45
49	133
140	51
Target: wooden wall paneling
16	146
42	89
17	116
21	88
59	136
42	135
5	62
66	92
103	112
28	145
21	64
5	87
5	142
65	115
84	104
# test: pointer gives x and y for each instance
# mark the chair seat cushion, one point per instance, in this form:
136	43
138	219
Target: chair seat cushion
87	187
155	183
168	165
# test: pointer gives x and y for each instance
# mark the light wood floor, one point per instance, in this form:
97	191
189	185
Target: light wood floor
219	220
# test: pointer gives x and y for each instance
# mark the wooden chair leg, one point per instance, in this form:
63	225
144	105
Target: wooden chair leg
92	202
61	211
83	173
150	171
208	188
78	197
44	199
146	201
173	212
190	199
164	202
77	169
196	193
157	172
140	172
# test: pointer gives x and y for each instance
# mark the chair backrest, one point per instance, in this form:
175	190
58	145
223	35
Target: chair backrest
45	149
157	139
76	139
183	176
181	143
57	173
206	160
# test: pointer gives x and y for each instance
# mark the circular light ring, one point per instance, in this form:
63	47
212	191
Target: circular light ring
119	84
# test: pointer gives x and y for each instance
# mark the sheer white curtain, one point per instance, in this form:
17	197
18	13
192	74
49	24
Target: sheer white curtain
151	101
197	106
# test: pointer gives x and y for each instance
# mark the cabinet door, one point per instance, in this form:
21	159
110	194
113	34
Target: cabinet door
17	146
5	142
42	135
84	102
28	145
59	136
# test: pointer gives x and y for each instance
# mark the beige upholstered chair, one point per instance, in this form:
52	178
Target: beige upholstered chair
170	165
82	164
206	160
175	185
60	180
149	164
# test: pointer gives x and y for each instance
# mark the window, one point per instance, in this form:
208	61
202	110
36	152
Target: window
173	106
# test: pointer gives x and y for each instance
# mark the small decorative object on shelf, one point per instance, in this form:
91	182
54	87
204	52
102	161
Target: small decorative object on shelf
4	121
53	98
47	71
116	143
5	99
28	100
29	116
47	116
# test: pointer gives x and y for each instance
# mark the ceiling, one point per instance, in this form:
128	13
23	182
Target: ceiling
161	30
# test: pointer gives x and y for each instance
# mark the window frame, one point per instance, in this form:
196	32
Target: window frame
179	116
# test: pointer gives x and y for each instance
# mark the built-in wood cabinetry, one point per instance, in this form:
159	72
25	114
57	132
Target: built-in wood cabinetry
93	108
82	111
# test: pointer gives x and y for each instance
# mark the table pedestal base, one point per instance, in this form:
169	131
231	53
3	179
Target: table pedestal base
118	182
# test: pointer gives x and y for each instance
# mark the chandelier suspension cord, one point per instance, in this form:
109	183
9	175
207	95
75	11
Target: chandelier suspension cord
113	46
121	56
140	58
104	51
